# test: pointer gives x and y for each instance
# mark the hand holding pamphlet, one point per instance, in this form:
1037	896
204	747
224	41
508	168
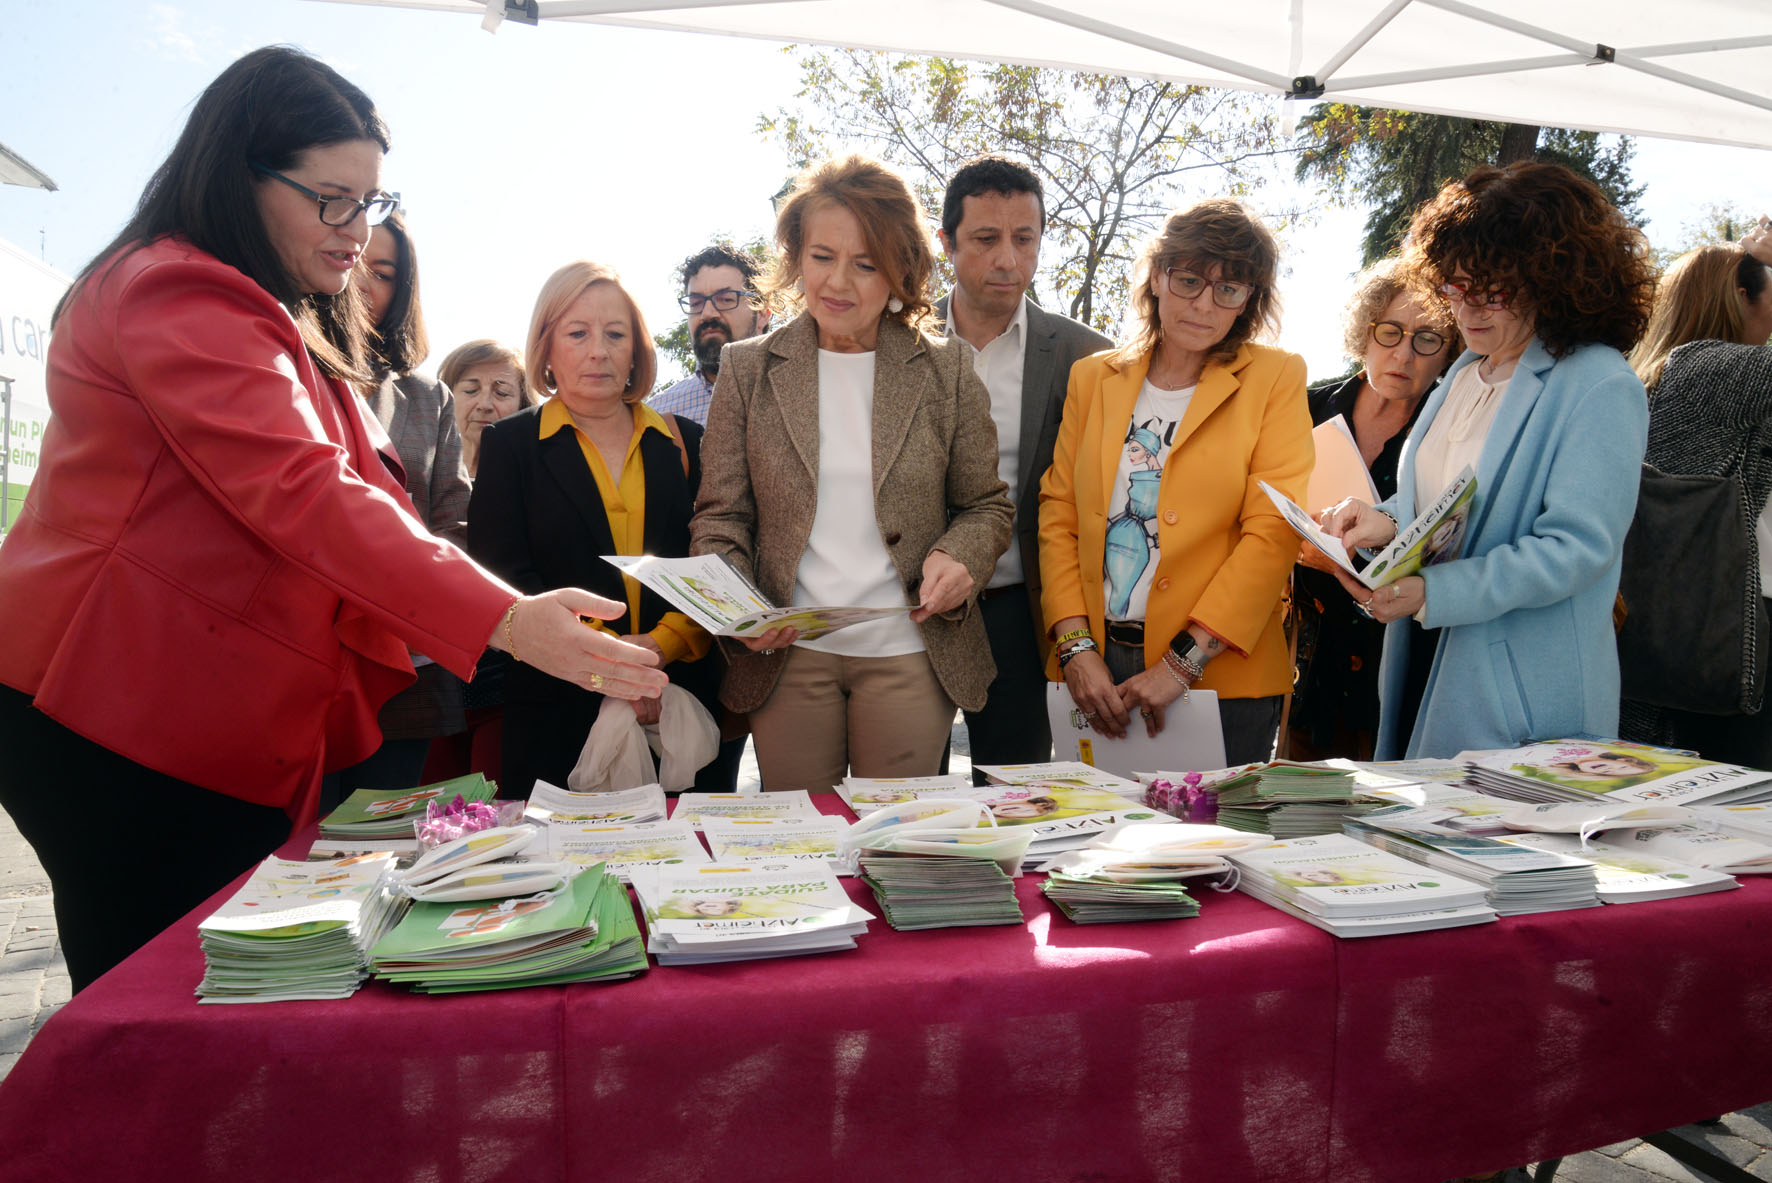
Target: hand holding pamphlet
707	590
1435	536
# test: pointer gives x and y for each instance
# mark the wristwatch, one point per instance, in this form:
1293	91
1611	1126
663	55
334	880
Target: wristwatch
1188	650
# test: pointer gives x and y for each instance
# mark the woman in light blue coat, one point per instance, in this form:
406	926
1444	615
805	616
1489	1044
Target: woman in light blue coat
1513	641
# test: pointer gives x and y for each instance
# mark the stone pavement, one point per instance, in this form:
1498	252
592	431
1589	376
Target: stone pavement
34	985
33	978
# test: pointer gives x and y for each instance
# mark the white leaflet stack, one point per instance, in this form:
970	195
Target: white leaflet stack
1517	880
624	848
1697	845
693	807
1070	772
1136	870
864	794
1630	876
1615	772
551	803
299	929
1744	821
1342	885
777	840
742	913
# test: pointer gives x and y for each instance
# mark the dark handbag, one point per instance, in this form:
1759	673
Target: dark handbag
1695	632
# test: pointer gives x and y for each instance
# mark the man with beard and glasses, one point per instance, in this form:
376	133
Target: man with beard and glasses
991	222
719	295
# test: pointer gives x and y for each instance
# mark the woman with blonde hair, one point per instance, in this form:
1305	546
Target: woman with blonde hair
487	381
1709	373
592	471
1714	293
1403	341
852	461
1163	562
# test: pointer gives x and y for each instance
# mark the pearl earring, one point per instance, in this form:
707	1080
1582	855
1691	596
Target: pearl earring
895	305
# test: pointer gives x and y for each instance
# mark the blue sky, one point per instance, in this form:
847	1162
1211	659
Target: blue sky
520	151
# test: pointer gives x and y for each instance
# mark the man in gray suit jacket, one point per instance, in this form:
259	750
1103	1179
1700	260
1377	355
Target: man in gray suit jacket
991	222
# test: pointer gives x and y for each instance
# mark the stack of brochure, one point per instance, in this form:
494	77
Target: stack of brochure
1135	871
1088	899
775	839
1063	812
741	913
1348	888
1696	845
693	807
1617	772
369	814
298	930
624	848
488	864
1629	876
1744	821
1072	773
935	863
549	803
1518	880
940	891
1288	800
864	794
584	932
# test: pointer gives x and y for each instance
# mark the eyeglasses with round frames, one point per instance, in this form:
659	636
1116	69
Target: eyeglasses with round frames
1460	293
336	209
1425	342
1225	294
725	300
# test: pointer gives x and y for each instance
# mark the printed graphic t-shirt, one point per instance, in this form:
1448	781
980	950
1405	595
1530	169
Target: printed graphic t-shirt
1131	556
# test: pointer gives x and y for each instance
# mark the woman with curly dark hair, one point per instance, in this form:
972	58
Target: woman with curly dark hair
1513	641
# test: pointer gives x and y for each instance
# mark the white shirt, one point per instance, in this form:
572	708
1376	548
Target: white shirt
1132	549
845	563
1000	365
1456	436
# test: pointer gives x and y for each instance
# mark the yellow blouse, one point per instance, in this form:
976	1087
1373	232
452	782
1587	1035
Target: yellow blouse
624	502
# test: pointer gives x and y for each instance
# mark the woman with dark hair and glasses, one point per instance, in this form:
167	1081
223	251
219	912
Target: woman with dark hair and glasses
1513	641
1403	342
217	578
1162	559
418	414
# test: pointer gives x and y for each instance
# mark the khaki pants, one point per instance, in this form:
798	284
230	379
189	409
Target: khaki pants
870	716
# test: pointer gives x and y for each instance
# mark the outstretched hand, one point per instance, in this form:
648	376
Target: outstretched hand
546	632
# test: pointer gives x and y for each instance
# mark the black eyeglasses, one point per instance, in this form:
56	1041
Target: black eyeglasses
725	300
1426	342
338	210
1225	294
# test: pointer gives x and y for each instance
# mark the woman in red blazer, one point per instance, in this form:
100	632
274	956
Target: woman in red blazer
217	576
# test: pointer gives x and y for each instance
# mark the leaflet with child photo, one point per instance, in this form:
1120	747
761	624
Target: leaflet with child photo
1435	536
710	592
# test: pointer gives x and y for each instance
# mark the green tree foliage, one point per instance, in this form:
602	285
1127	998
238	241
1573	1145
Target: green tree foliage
1393	161
1115	154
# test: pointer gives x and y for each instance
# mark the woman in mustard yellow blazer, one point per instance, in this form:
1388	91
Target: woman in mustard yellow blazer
1163	561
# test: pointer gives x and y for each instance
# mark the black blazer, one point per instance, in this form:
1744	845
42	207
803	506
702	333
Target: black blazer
537	519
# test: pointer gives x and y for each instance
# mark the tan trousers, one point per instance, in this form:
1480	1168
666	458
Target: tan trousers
870	716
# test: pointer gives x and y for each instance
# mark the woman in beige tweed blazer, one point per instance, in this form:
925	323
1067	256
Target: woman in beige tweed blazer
876	699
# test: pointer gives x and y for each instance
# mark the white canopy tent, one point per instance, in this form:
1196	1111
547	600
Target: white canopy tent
1683	69
16	170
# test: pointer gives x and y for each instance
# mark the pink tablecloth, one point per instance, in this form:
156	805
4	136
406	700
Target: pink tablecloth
1241	1046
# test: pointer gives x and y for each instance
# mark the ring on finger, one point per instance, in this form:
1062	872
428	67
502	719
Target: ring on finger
596	681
